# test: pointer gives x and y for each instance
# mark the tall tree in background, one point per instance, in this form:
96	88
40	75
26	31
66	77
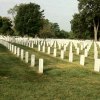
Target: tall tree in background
80	27
29	19
52	30
46	31
91	9
89	17
56	29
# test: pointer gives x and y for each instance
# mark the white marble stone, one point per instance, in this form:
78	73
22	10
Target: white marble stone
41	66
26	57
77	51
32	60
64	47
55	52
15	49
48	50
62	54
86	53
43	48
96	54
70	57
32	45
82	60
97	65
70	48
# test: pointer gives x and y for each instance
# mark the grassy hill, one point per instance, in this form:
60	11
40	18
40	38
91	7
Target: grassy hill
61	80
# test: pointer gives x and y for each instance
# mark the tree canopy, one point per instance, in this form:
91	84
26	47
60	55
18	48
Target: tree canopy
29	19
52	30
87	21
5	26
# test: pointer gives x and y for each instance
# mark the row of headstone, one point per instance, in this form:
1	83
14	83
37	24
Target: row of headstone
42	46
59	44
24	55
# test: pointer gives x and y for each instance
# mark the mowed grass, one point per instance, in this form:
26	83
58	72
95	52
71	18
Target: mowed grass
61	80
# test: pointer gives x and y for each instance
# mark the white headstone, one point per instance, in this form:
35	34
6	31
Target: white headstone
82	60
41	66
14	49
48	50
59	45
82	46
97	65
85	52
32	45
62	54
32	60
70	47
26	57
55	44
55	52
70	57
64	47
95	54
43	48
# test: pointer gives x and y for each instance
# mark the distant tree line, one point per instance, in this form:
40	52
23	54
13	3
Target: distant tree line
29	20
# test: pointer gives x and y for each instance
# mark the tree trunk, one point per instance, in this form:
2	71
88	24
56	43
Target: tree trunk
95	29
95	33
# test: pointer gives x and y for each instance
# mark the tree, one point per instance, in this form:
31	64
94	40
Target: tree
29	19
55	28
5	26
46	31
80	27
91	10
86	23
63	34
52	30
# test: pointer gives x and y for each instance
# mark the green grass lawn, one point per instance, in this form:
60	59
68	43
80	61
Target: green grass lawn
61	80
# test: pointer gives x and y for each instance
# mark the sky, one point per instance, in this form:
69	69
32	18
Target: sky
57	11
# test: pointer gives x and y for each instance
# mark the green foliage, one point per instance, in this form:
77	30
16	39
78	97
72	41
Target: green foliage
56	30
6	26
80	28
46	31
87	21
29	19
52	30
63	34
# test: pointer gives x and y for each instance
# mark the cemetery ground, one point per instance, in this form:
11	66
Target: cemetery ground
61	80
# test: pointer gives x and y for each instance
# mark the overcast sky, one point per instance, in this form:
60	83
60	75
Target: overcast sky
59	11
